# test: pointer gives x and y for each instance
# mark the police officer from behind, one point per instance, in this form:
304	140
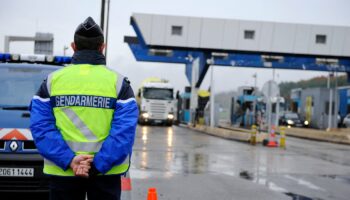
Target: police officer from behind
83	121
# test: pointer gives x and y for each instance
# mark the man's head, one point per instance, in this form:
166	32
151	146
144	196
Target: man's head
88	36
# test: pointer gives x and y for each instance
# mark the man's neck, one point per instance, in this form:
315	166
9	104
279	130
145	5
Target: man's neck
92	57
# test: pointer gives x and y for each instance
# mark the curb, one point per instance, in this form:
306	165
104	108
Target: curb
242	136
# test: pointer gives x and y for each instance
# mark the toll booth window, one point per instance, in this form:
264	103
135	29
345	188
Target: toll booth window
327	108
249	34
321	39
187	104
248	91
274	107
176	30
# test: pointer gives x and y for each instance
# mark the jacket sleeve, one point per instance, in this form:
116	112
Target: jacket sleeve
118	144
47	137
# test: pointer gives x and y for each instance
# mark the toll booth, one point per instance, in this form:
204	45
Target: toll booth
203	99
199	43
238	43
315	107
183	106
344	101
243	106
295	96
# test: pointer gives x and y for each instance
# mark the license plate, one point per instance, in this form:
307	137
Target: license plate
17	172
158	121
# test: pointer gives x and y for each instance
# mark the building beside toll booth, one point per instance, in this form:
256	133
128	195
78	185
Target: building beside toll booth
312	104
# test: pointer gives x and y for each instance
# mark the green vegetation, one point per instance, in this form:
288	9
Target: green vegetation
320	81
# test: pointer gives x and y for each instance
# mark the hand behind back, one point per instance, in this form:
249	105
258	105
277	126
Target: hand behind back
81	165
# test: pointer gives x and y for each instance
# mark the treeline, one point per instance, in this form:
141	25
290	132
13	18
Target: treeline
320	81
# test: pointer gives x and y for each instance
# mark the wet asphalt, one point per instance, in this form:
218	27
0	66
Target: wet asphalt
186	164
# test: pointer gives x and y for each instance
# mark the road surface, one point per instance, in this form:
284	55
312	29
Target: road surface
185	164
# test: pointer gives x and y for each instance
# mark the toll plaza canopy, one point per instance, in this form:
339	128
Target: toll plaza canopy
239	43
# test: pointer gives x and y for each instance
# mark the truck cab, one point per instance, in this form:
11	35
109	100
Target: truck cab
156	103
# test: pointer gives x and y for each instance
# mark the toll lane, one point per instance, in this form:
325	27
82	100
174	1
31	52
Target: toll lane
184	164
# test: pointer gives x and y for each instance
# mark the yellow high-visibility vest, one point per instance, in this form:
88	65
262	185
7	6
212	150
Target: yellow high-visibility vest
83	97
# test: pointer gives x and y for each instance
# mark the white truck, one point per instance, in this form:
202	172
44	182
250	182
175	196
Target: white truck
156	102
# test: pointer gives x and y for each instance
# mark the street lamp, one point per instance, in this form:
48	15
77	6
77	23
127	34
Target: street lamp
330	103
105	4
212	95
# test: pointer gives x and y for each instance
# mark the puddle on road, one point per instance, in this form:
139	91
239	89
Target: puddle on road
338	178
272	186
299	197
246	175
303	182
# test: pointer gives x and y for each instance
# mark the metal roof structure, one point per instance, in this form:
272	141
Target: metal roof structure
239	43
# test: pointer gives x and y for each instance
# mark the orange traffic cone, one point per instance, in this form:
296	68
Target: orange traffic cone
272	139
152	194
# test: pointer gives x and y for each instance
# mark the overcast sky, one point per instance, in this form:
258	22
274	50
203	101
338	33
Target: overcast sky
61	17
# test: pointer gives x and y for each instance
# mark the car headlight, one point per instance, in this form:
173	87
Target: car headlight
170	116
145	115
306	123
290	122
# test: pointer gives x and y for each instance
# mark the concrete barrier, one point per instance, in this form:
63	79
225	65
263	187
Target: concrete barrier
236	134
340	136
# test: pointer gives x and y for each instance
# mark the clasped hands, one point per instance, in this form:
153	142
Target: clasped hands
81	164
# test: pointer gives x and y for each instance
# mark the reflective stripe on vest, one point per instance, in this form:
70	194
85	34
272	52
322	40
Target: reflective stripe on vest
83	98
79	124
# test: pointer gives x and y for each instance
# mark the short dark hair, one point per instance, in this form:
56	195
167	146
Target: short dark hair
88	43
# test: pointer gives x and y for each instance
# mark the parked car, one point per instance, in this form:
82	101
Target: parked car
346	121
292	120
